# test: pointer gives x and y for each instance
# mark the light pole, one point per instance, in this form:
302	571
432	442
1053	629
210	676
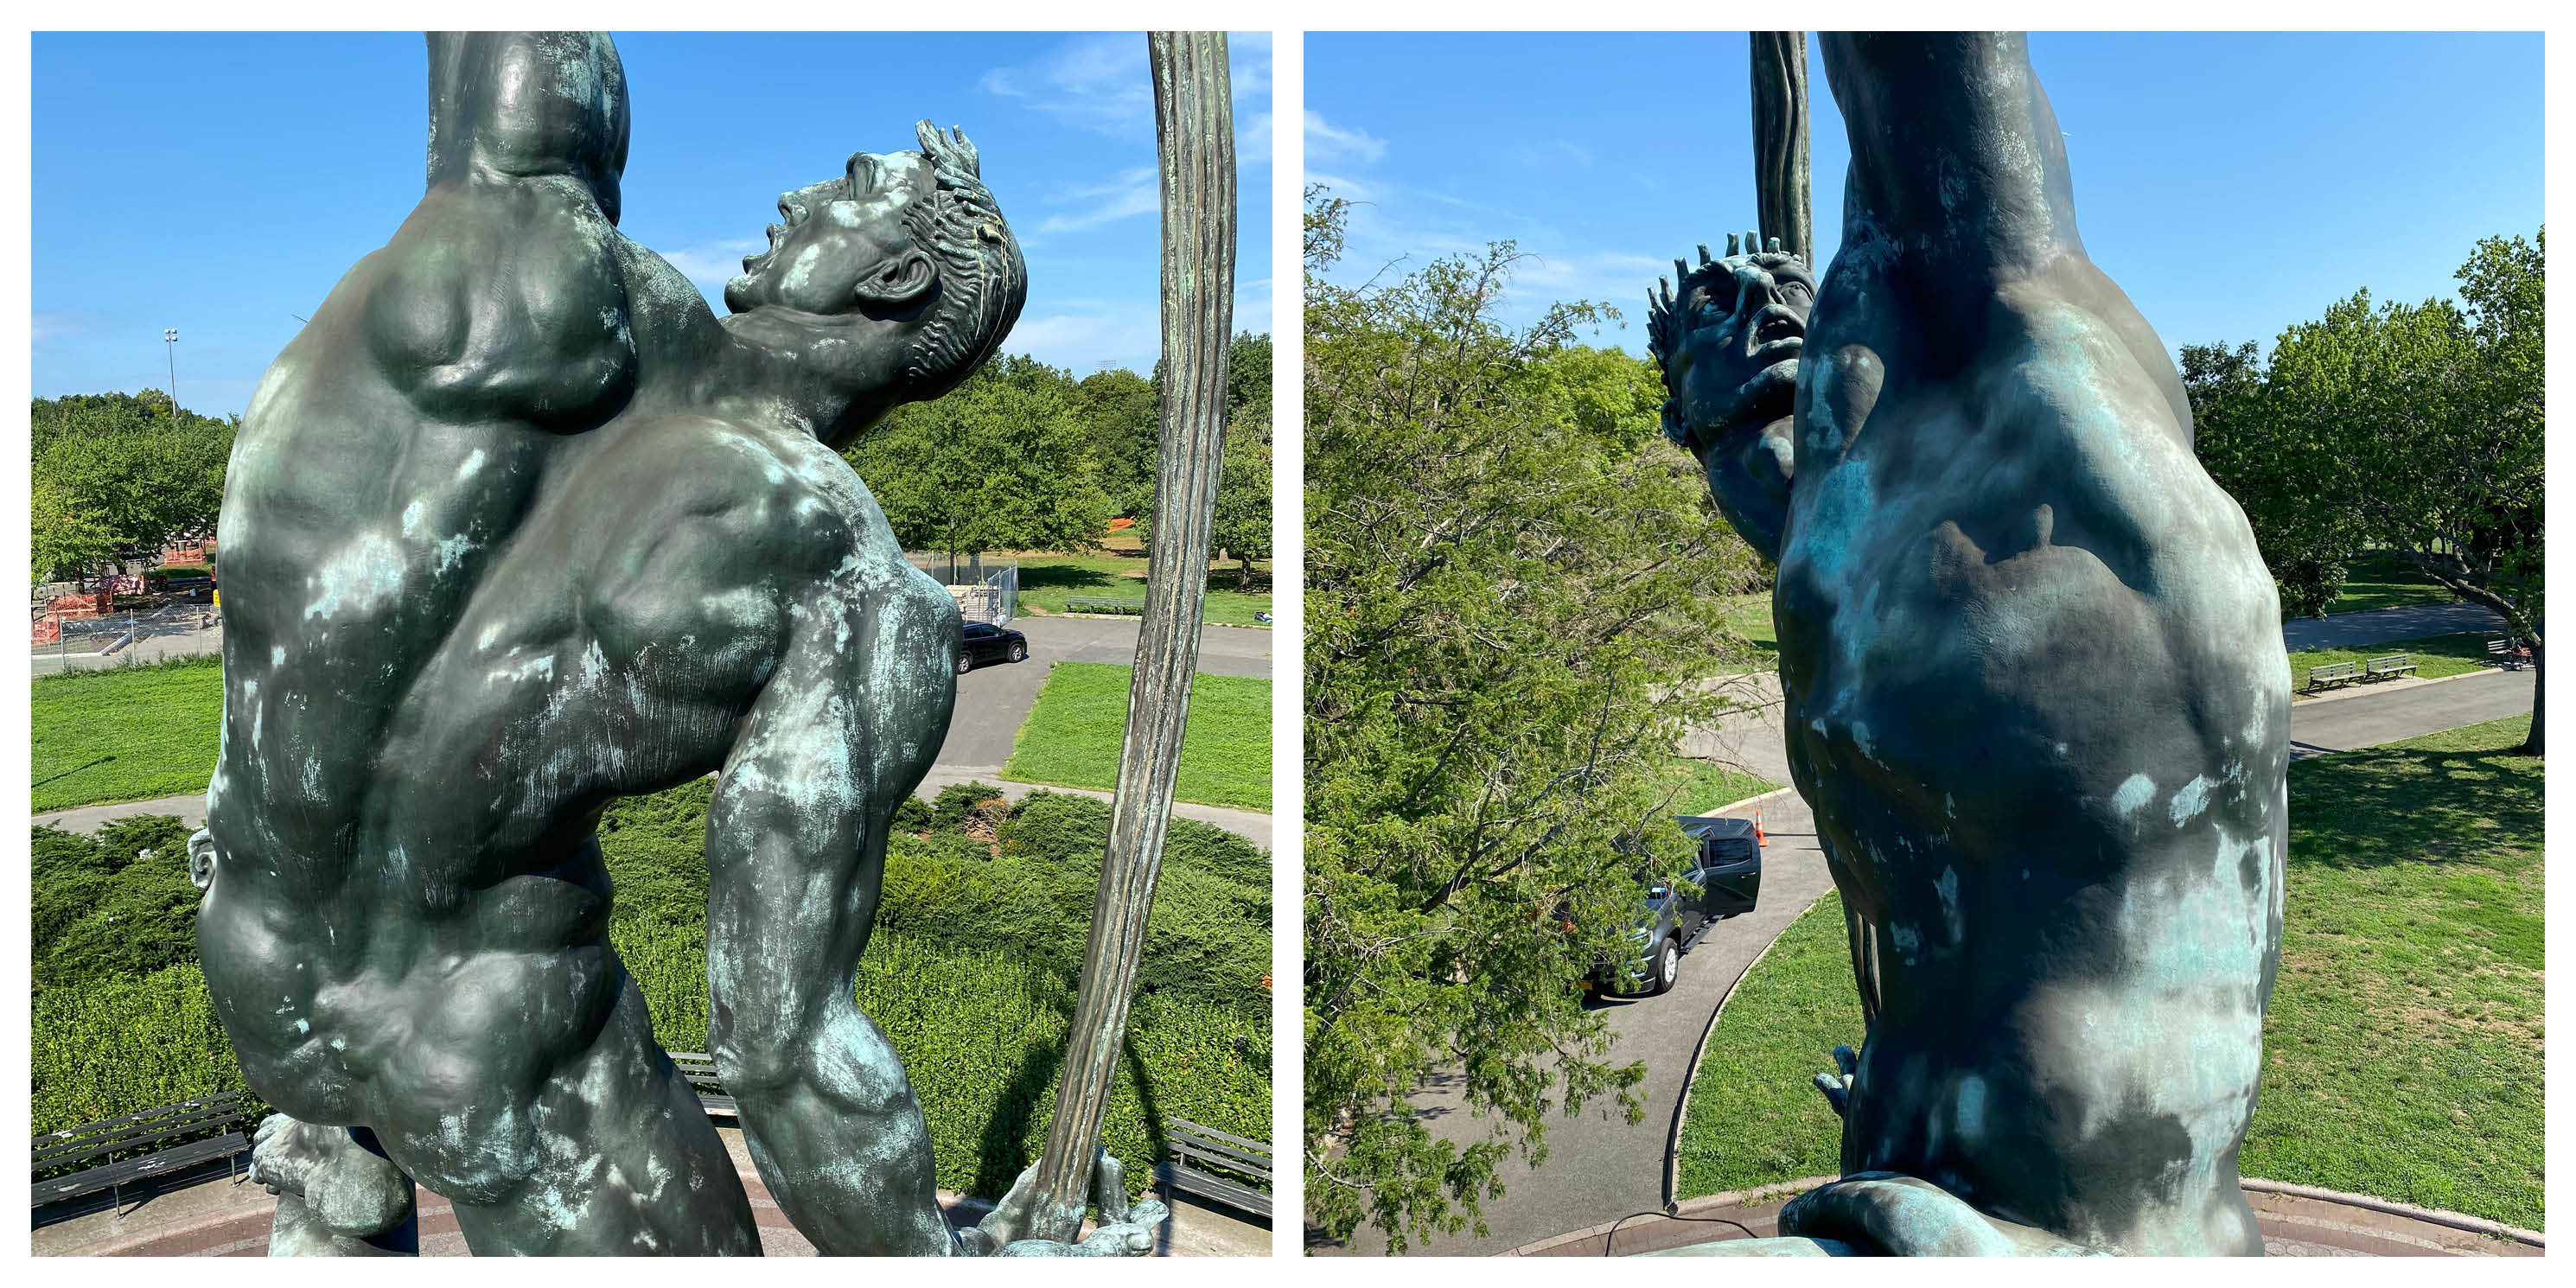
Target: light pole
170	342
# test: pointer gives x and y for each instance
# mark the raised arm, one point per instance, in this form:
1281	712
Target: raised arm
516	104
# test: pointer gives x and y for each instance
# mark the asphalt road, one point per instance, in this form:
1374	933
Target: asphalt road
1601	1168
994	699
992	702
2340	723
2413	622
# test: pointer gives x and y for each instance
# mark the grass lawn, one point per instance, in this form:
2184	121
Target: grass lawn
1749	616
2435	656
2385	581
2403	1054
1047	578
124	733
1707	785
1072	737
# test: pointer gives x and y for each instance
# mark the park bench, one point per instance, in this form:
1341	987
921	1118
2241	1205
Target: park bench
2508	654
700	1069
2393	664
2333	675
1098	604
193	1131
1215	1165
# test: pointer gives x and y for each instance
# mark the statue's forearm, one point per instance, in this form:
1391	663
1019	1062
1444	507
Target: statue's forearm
523	104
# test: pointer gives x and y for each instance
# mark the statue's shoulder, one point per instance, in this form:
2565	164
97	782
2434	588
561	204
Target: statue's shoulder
504	300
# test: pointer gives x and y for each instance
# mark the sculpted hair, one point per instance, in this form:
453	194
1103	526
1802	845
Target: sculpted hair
983	280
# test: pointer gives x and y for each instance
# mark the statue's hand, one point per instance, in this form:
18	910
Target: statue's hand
1124	1231
1886	1214
285	1153
1837	1087
354	1191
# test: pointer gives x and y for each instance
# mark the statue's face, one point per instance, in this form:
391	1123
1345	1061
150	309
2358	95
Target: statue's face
1741	335
843	244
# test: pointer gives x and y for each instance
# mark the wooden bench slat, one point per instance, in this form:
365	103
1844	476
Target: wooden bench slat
58	1151
115	1174
1185	1127
1245	1197
103	1124
1221	1156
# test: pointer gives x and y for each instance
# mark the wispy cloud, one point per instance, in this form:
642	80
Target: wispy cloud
1087	339
47	326
1328	142
1553	154
1099	82
1133	192
710	266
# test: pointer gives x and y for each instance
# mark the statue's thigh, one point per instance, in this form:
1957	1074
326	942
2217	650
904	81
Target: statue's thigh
627	1162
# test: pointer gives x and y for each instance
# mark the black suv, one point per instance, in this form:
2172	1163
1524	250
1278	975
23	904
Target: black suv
986	642
1728	872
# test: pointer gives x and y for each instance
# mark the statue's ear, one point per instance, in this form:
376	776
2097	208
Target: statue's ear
900	283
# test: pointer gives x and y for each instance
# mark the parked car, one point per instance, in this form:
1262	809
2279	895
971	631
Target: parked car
1728	874
986	642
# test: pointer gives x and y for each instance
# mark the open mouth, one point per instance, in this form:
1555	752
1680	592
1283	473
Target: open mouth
1775	325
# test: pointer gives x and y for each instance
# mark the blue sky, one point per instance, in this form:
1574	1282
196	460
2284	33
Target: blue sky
2231	183
220	184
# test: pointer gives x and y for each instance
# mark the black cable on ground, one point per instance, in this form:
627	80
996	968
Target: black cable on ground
1611	1239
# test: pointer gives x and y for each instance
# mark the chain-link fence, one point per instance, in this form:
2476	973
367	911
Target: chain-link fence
130	637
986	590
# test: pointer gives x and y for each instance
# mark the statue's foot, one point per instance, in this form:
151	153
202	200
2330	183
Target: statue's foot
1901	1216
1124	1231
352	1190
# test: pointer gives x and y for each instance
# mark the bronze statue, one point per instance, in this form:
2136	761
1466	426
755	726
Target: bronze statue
517	527
2034	684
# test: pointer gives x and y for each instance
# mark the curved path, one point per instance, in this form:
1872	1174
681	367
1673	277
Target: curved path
1600	1169
993	701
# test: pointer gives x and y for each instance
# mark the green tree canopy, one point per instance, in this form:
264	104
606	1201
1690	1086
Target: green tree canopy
2414	428
999	463
119	476
1512	614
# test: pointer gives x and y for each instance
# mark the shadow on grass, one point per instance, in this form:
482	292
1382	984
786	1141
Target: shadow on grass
1070	577
2371	809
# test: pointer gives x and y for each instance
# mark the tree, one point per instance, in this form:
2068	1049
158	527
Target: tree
1119	411
119	476
1512	591
2413	428
1242	526
998	463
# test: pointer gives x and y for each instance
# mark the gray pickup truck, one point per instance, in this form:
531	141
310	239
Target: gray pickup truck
1728	874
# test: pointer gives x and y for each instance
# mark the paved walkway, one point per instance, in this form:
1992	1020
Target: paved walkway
1600	1169
993	701
221	1218
2413	622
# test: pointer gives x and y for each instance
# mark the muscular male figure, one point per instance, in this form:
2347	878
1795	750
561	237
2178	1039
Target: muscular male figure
517	527
2033	684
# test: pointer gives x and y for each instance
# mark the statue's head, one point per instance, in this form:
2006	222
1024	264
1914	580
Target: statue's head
1728	341
907	237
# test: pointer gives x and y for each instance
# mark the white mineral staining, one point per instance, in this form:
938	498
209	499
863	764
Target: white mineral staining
2191	800
359	578
2137	791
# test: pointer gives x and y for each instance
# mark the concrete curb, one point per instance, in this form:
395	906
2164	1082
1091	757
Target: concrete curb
2433	1216
1681	1110
1765	1194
